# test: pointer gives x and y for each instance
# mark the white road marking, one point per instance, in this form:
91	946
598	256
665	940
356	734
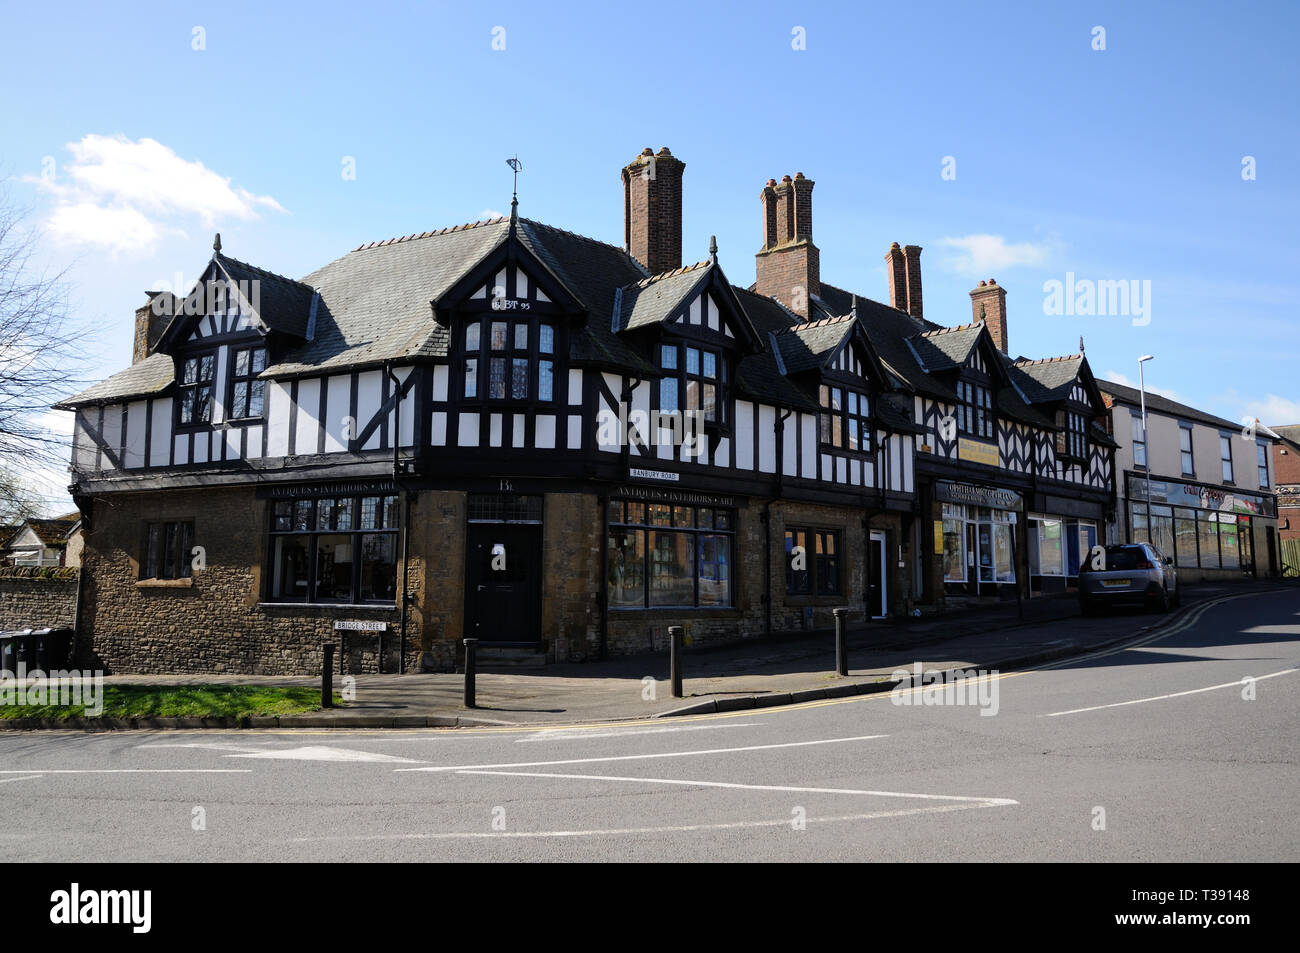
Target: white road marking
1156	698
616	831
306	753
133	771
30	777
577	734
989	801
641	757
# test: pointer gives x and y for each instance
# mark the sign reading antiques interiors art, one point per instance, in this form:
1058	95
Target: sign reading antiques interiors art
971	495
655	494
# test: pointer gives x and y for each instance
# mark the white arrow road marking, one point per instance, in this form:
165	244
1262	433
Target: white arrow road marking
578	734
1155	698
307	753
642	757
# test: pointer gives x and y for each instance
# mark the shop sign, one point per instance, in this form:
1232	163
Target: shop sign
977	495
342	488
656	494
977	451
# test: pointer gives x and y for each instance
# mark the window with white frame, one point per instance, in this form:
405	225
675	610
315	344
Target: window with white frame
1225	457
1139	442
1185	449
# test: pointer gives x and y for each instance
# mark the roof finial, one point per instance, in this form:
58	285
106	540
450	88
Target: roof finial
853	309
216	244
713	249
1080	343
517	166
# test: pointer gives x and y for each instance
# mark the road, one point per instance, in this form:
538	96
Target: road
1153	752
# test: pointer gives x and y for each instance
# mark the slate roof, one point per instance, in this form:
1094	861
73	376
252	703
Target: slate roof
282	303
1133	398
1049	379
650	300
149	378
809	344
758	375
945	349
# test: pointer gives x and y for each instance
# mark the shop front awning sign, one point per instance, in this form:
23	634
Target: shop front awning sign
972	495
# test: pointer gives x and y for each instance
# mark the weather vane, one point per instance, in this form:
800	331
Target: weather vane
517	166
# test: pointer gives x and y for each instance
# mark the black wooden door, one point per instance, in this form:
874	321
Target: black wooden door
503	583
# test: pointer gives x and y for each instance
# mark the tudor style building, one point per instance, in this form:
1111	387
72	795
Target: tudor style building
561	447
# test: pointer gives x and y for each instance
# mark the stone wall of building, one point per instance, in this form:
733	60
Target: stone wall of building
215	622
37	598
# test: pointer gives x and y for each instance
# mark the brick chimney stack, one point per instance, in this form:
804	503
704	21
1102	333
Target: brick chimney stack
912	263
788	267
897	270
989	304
652	210
151	321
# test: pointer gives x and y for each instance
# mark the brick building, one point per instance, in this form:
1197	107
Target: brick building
1286	468
561	447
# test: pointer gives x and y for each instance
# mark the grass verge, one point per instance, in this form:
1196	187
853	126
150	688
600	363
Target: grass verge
182	701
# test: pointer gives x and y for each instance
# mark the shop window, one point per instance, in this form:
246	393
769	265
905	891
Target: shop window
815	569
508	360
1207	532
1229	555
340	550
166	550
1045	539
247	394
661	555
954	542
1184	536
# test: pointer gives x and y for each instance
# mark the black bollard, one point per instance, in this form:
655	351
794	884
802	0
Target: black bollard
471	651
841	642
675	659
327	677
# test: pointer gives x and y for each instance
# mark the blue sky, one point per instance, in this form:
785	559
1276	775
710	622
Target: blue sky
132	147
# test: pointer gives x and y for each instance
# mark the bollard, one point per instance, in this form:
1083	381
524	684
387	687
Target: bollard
841	642
327	677
471	651
675	659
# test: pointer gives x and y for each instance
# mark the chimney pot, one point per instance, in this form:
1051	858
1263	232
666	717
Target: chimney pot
897	277
912	262
788	266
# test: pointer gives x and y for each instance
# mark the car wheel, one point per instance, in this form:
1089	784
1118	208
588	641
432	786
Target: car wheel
1162	602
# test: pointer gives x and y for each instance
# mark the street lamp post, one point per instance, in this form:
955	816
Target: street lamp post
1146	450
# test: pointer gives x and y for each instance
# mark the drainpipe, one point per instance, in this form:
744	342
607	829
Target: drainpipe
406	524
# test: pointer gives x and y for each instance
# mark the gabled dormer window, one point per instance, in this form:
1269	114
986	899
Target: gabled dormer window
694	379
845	420
194	390
509	360
975	412
1074	439
247	393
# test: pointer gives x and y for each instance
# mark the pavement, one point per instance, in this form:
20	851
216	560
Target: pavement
763	672
1179	746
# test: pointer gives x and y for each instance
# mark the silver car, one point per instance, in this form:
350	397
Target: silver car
1133	573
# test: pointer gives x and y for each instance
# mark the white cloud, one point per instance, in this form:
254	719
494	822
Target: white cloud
1124	381
124	194
489	213
1273	411
982	256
